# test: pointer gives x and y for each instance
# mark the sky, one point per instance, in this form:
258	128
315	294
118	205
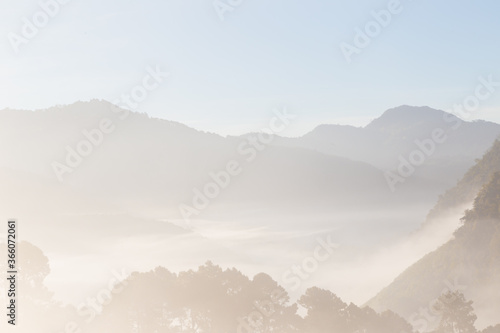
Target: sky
226	76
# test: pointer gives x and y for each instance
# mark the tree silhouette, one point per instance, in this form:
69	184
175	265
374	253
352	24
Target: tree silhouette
457	314
207	300
37	310
324	311
211	299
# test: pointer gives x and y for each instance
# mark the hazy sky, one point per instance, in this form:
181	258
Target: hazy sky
226	76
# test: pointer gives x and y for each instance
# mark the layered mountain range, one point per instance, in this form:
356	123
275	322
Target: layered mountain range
151	164
92	166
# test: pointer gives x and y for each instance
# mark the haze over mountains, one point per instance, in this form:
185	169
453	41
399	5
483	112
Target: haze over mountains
129	185
155	163
384	140
469	262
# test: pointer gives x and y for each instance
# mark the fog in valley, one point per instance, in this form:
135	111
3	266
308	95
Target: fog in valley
231	166
304	217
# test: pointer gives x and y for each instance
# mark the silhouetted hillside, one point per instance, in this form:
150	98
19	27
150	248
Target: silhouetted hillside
467	188
470	262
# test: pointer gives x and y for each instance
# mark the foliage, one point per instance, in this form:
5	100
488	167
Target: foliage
467	188
457	314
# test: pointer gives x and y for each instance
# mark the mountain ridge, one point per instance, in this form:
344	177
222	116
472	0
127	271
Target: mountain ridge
469	261
393	136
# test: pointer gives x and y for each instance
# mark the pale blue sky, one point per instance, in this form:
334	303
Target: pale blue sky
226	76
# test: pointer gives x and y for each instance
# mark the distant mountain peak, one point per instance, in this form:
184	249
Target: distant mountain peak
328	128
406	115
